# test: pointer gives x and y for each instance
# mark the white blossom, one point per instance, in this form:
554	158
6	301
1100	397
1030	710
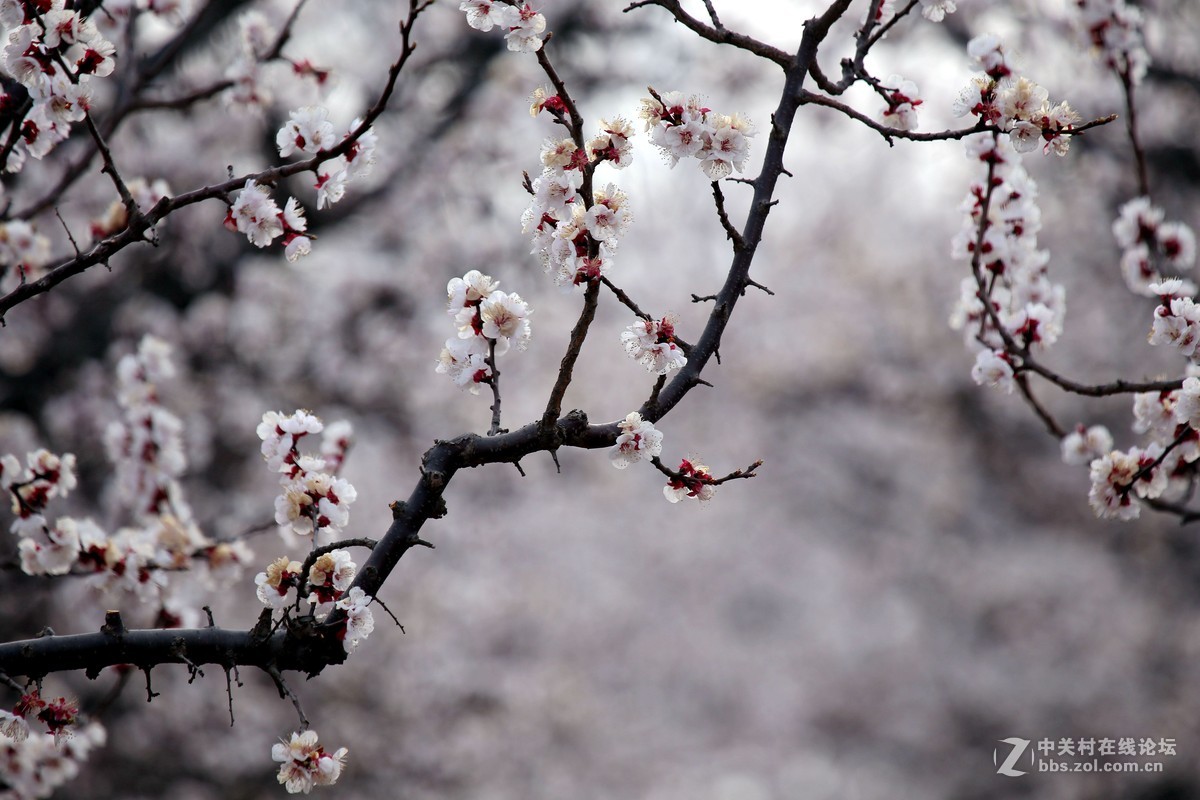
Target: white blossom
637	439
306	764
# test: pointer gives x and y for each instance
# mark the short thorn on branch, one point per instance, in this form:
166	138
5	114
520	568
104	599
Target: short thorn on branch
150	693
751	282
113	625
178	650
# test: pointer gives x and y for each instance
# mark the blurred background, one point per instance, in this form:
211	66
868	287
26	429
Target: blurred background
913	576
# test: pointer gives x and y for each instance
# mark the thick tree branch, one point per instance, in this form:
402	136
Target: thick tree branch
815	31
720	34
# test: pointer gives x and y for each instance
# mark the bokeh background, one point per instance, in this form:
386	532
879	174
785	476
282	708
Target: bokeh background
913	576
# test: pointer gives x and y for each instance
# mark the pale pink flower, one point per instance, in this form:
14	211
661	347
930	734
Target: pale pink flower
305	763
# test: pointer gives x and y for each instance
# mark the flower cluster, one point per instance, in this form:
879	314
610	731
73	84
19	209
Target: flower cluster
314	500
145	196
328	578
1019	294
1165	465
1118	477
36	764
1177	317
331	575
1115	30
638	439
651	343
489	321
358	622
574	239
1085	444
146	446
255	214
1150	246
53	52
683	128
306	764
1014	104
524	27
255	43
23	251
146	450
694	481
278	584
308	131
45	476
327	585
58	716
932	10
936	10
902	98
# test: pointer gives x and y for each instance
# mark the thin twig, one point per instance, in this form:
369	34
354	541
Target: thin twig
494	381
731	232
286	691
